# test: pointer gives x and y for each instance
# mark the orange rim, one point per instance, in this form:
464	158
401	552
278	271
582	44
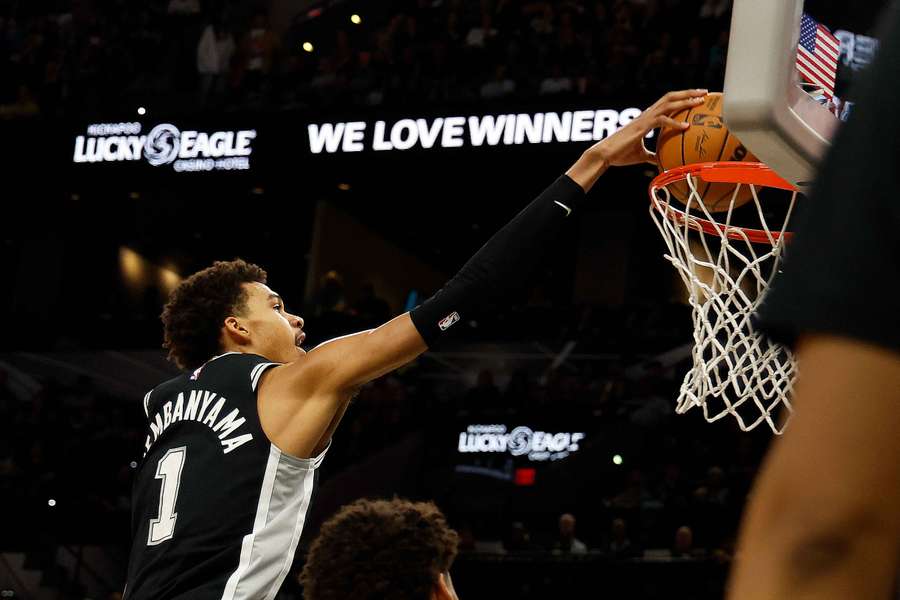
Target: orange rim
721	172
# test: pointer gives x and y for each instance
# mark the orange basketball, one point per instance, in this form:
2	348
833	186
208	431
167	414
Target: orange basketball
707	140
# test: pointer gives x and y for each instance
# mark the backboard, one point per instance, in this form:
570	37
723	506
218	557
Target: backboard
778	105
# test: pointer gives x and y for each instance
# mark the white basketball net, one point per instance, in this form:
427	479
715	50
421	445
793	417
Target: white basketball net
736	370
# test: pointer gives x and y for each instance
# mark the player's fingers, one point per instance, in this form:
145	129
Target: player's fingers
670	108
684	95
664	121
663	104
675	101
649	157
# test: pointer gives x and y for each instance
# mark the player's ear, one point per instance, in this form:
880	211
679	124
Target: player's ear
235	331
443	588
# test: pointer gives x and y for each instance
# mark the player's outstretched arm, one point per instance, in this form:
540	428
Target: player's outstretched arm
502	264
332	371
823	520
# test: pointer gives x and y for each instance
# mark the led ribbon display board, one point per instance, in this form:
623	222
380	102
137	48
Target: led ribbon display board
515	129
288	141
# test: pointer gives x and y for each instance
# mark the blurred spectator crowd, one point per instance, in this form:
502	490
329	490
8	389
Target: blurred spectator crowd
61	58
613	380
677	497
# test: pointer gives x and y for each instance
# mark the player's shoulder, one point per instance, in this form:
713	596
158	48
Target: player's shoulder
231	363
231	371
239	369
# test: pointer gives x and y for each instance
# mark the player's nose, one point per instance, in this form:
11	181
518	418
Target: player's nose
297	321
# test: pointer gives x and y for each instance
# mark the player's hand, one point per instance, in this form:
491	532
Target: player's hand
626	146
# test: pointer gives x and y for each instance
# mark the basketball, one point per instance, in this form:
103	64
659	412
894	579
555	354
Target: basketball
706	140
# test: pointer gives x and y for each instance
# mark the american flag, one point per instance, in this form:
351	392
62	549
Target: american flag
817	54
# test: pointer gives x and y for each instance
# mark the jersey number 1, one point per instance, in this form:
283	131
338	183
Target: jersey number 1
168	469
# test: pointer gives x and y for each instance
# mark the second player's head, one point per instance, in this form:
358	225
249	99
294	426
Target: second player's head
229	307
385	549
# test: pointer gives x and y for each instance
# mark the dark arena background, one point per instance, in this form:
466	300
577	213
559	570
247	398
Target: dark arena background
361	152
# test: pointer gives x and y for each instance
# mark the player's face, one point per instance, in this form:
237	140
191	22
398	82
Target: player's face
277	334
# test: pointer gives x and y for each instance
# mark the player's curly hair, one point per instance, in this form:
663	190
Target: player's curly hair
198	307
379	549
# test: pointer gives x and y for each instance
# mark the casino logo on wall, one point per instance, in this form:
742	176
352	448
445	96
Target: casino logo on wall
165	144
162	144
521	441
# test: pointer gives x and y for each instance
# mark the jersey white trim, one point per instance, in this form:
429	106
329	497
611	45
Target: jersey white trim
221	355
256	370
267	553
308	483
259	523
256	373
146	403
567	209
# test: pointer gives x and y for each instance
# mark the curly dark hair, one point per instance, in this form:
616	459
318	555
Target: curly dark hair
379	549
198	307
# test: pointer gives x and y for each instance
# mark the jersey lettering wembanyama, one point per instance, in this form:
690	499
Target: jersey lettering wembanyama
217	508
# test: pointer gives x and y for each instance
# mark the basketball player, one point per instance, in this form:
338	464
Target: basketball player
233	444
382	549
823	521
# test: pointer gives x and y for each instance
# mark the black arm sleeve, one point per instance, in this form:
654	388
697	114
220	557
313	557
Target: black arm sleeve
503	263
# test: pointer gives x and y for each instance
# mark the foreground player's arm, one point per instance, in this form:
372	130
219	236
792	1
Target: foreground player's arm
332	371
823	521
823	518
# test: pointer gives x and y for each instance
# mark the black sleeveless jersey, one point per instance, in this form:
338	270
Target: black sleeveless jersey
217	508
